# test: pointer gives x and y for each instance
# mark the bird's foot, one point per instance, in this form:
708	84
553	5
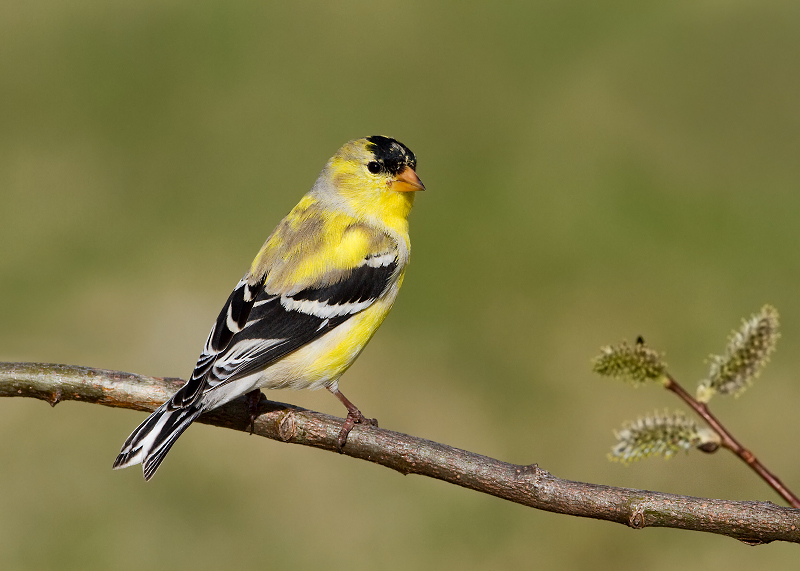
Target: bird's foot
253	400
354	417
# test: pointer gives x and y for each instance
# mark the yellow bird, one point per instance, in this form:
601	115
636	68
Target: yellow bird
313	297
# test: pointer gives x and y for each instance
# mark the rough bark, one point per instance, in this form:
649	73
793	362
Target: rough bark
752	522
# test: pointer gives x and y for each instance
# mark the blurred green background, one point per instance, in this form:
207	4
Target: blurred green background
595	171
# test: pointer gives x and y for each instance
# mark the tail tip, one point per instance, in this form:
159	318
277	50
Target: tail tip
125	459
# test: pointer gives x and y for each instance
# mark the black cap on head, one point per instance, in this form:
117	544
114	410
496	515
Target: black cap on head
393	155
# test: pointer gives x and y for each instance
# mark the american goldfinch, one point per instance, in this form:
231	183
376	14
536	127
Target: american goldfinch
313	297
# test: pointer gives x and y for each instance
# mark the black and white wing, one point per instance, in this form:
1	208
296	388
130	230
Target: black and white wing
276	325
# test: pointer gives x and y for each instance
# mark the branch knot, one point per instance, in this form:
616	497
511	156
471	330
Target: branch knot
287	426
636	521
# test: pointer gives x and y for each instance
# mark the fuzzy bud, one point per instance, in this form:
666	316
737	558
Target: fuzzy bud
660	434
636	364
748	351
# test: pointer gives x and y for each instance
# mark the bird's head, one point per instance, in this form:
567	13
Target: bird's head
374	176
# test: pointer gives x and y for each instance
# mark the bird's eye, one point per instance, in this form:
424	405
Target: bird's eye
374	167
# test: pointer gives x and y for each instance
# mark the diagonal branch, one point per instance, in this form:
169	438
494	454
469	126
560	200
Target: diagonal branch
752	522
729	442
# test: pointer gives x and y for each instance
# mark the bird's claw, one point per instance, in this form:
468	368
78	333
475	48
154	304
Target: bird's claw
253	400
353	418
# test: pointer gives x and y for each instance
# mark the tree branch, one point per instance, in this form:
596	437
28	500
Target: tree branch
751	522
729	442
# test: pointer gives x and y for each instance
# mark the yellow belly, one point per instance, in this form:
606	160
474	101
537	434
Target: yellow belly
321	362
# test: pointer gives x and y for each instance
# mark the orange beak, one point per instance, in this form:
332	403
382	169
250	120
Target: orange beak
407	181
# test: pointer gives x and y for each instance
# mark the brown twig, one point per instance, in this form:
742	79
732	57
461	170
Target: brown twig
751	522
729	442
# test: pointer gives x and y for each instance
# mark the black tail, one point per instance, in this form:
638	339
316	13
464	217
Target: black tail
151	441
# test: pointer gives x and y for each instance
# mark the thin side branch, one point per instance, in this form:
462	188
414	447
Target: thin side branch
752	522
729	442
